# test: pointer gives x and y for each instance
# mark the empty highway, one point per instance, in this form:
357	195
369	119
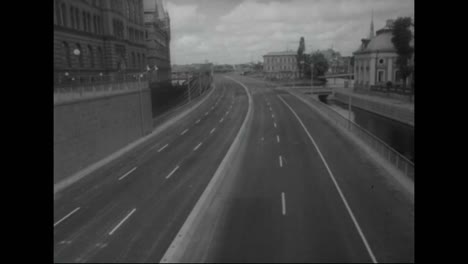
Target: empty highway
302	192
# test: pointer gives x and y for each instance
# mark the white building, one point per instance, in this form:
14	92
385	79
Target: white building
280	65
375	60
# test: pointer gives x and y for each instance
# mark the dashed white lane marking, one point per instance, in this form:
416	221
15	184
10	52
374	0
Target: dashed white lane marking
206	113
277	139
165	146
125	175
350	212
198	121
212	107
283	202
199	144
172	172
262	138
274	123
65	217
212	130
280	161
272	116
227	113
121	222
183	132
222	119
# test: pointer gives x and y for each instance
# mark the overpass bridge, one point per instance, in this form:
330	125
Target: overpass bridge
343	75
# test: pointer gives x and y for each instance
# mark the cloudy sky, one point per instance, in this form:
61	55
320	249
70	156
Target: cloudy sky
239	31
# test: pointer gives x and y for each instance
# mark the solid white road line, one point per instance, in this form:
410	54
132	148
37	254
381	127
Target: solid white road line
183	132
172	172
121	222
350	212
274	123
277	139
212	130
283	201
65	217
198	121
280	161
159	150
125	175
199	144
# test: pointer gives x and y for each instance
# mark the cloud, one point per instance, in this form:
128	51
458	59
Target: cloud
235	33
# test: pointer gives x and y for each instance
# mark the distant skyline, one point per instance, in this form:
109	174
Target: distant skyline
240	31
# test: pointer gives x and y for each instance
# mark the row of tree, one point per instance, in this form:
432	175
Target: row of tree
305	61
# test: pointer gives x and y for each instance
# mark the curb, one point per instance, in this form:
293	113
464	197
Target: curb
405	182
201	214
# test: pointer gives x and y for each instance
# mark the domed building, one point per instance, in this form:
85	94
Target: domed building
375	61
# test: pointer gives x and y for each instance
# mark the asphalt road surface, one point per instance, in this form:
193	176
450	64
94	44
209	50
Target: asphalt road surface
130	213
304	192
307	194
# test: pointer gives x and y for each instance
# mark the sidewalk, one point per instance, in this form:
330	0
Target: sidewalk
388	101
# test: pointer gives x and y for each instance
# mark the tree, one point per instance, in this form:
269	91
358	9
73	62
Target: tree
320	64
300	56
401	40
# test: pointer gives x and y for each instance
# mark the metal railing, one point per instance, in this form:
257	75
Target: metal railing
402	163
86	86
394	88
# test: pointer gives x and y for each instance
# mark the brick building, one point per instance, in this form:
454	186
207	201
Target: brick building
110	35
158	37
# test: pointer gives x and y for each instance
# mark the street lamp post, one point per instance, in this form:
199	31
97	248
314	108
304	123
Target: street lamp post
77	53
302	67
312	77
188	87
141	104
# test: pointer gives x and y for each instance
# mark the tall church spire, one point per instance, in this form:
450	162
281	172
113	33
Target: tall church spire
371	33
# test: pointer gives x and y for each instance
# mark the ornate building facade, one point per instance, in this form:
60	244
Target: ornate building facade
98	37
375	60
158	38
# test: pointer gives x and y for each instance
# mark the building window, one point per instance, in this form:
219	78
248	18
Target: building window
66	50
64	15
94	24
85	24
80	57
380	76
138	60
58	15
100	58
77	17
99	24
88	16
133	60
91	56
397	76
72	17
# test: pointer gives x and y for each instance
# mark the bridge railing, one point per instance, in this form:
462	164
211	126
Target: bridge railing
399	161
87	86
